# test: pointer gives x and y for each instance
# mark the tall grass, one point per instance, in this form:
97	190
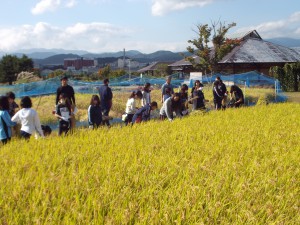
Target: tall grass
233	167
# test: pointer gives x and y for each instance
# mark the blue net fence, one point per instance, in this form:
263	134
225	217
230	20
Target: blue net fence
49	86
251	79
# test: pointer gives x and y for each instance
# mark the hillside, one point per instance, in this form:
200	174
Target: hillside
55	59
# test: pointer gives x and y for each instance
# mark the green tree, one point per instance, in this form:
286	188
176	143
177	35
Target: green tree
209	57
56	73
9	68
162	70
25	64
288	76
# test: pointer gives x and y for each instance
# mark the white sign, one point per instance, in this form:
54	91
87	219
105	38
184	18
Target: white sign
196	76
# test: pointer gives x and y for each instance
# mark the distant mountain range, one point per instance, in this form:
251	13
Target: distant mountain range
165	56
287	42
56	56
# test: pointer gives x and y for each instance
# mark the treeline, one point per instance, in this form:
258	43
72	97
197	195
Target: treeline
11	66
288	76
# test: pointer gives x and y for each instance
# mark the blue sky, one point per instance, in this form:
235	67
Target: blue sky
145	25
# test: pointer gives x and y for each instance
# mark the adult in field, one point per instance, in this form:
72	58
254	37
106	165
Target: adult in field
106	100
166	89
197	96
69	93
170	105
223	90
218	95
143	114
236	94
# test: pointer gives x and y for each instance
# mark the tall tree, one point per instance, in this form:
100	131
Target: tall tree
9	68
25	64
210	56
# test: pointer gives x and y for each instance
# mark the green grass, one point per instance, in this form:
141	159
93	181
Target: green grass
234	167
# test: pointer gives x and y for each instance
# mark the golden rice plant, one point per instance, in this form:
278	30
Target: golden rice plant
239	166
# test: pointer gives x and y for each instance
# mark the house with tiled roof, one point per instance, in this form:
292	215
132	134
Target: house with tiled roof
253	53
150	69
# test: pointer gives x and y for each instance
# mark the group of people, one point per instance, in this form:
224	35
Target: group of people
100	106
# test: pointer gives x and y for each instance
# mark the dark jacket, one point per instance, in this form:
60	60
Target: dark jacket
68	91
217	92
238	94
95	115
199	102
223	88
143	113
105	97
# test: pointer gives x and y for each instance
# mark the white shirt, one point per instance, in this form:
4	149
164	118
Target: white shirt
130	106
29	120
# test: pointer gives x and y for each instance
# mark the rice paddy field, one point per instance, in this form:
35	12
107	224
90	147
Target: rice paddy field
239	166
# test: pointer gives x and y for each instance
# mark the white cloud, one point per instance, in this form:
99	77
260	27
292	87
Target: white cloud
161	7
288	27
93	37
51	5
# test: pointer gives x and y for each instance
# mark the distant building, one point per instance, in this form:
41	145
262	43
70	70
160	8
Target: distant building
150	69
128	63
184	66
78	63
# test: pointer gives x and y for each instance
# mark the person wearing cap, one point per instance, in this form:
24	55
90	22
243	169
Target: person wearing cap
106	100
68	91
167	89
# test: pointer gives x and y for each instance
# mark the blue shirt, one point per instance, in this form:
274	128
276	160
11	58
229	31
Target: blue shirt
6	117
167	90
143	112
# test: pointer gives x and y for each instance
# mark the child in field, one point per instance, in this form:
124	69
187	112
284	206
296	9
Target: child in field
5	121
94	112
146	99
143	114
131	105
183	99
28	118
12	104
63	113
